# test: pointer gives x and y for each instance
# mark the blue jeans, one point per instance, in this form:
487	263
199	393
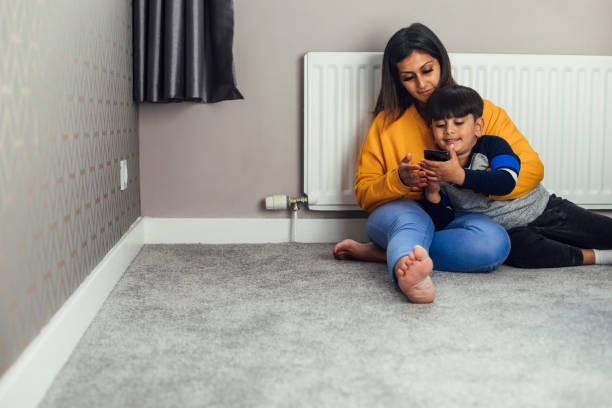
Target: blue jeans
470	243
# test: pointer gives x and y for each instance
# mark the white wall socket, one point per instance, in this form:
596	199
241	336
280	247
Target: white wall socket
123	174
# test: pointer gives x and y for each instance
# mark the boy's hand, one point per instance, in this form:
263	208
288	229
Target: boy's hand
450	171
411	175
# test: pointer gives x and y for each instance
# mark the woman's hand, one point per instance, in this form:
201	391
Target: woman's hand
450	171
411	175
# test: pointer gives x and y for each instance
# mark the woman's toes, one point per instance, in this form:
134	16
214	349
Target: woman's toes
419	252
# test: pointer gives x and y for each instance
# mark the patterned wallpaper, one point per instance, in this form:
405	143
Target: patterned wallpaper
66	119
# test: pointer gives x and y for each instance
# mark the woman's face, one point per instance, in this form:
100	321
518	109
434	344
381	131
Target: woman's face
419	73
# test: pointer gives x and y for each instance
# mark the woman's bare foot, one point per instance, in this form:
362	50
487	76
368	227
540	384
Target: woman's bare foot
412	272
350	249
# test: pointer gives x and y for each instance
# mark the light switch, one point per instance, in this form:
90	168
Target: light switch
124	174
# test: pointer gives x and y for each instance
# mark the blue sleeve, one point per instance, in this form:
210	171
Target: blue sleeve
441	213
504	168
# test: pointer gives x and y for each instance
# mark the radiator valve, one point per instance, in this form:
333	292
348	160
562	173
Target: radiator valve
283	202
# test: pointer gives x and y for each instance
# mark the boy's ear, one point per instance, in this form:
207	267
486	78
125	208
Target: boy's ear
479	126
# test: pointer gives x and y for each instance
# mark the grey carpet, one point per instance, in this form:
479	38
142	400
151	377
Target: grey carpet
285	325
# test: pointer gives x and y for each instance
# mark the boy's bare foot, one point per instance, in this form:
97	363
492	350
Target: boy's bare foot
350	249
412	272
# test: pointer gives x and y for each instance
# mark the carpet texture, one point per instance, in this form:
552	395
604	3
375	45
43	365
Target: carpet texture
286	325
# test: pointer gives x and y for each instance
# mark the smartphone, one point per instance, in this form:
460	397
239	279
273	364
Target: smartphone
437	155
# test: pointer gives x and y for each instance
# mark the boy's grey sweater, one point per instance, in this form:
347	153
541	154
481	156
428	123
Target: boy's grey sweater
508	213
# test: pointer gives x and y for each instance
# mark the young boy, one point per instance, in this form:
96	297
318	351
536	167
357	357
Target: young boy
545	230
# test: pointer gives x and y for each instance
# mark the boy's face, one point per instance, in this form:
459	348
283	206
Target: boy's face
459	132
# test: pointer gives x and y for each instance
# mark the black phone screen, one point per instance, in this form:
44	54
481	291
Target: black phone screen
437	155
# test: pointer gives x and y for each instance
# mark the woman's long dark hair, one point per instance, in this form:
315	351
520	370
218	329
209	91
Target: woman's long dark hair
393	98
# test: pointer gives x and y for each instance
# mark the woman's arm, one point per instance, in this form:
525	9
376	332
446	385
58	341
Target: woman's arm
376	181
498	123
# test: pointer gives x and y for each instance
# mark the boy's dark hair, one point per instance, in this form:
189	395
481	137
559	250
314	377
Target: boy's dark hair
453	101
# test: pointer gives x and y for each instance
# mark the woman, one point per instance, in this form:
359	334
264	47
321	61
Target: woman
388	181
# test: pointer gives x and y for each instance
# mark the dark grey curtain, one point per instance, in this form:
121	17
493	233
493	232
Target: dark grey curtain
183	51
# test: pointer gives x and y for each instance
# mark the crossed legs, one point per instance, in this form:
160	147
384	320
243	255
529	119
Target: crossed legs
403	235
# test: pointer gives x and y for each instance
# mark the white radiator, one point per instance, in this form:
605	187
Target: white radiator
562	104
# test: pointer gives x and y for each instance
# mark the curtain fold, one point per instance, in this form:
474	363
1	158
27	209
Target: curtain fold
183	51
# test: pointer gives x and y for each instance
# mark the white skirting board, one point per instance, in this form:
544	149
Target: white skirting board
251	230
25	383
255	230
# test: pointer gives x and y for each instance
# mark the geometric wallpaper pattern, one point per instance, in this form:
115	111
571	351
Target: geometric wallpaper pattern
66	120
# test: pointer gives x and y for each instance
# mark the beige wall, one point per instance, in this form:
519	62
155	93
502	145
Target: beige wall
220	160
67	118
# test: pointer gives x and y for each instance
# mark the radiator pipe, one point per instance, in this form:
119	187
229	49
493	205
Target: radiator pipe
283	202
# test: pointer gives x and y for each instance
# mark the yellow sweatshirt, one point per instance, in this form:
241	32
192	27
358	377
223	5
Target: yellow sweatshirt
377	179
